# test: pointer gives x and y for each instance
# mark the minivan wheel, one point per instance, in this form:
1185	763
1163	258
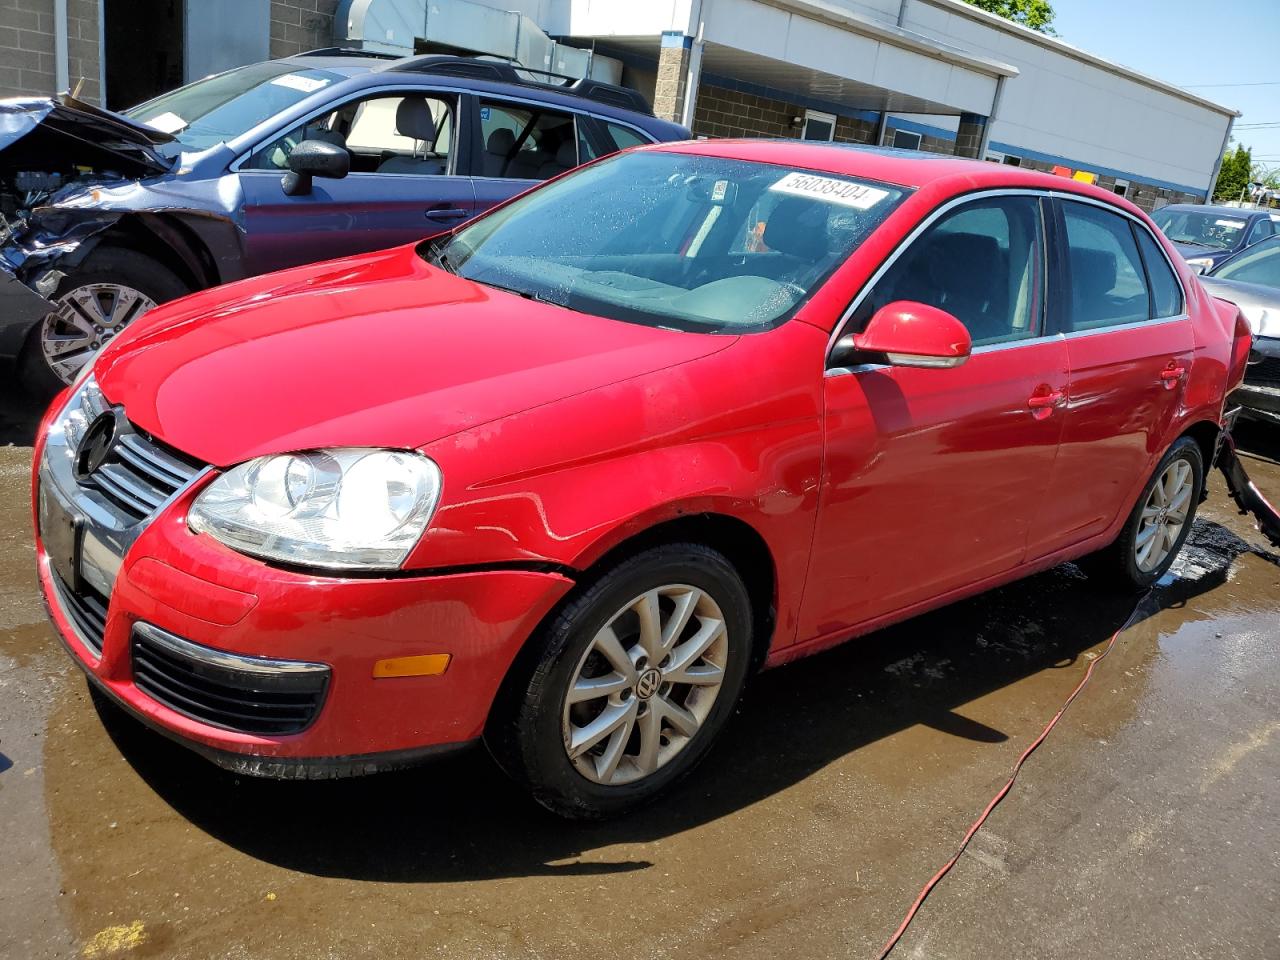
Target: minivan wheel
1159	524
92	305
629	685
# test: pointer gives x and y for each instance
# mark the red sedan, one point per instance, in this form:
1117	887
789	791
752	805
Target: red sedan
563	478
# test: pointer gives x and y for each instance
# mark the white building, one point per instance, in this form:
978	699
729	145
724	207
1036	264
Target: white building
936	75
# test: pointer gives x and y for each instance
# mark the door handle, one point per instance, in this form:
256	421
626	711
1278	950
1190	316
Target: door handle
1044	401
1171	374
447	213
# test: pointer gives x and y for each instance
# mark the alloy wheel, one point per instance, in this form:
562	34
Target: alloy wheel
1164	515
84	320
645	685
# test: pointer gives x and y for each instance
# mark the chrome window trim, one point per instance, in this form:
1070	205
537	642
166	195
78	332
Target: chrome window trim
937	212
906	243
239	161
1077	198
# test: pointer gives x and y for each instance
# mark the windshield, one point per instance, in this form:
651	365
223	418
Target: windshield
690	242
221	107
1205	228
1259	264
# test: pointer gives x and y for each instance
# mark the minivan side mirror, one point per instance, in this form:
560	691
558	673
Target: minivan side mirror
1198	268
314	158
910	334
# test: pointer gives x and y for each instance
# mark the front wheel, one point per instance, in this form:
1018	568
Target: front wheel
629	685
1159	524
93	304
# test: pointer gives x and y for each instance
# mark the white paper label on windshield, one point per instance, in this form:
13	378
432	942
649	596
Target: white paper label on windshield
305	84
167	123
843	192
1236	224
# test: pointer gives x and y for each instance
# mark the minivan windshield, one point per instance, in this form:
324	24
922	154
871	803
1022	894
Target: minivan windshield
1205	228
224	106
674	240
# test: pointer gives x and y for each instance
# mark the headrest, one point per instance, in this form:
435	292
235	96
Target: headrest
1093	272
798	227
961	261
413	119
501	141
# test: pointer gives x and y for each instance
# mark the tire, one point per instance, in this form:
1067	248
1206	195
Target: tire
1120	565
533	726
109	277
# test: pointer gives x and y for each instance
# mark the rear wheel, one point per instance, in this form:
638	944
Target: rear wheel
630	684
1159	524
111	289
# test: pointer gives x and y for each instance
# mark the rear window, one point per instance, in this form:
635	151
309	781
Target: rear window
1166	292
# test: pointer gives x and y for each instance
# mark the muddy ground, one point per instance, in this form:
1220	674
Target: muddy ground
1147	826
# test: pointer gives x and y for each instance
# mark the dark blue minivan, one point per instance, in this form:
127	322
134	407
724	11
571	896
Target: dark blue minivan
266	166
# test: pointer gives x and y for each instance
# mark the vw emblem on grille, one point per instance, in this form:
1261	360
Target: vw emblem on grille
97	444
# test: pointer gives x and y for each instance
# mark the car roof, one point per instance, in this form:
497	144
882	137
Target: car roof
905	168
1215	208
374	71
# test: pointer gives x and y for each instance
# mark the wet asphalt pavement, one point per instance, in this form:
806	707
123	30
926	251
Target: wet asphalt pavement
1147	826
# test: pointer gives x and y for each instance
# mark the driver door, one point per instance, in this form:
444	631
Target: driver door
403	183
933	478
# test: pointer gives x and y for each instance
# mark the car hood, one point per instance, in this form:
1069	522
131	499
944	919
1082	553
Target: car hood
1190	251
1259	304
377	350
35	131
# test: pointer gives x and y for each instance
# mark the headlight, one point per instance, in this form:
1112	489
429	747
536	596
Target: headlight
340	509
1203	263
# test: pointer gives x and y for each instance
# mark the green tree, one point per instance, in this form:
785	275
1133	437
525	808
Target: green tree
1237	165
1036	14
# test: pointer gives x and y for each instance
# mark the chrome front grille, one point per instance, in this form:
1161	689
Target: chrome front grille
141	473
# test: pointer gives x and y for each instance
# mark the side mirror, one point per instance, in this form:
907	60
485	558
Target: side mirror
1199	269
314	158
910	334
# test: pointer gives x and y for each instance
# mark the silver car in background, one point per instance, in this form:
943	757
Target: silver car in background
1251	280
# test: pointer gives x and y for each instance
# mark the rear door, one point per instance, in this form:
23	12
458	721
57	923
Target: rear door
403	184
1129	345
933	478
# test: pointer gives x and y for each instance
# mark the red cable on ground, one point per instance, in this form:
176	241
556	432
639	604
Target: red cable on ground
995	801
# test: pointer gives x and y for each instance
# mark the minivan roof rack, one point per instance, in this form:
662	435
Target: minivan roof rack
505	71
348	52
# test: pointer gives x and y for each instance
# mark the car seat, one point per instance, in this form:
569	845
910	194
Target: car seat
414	119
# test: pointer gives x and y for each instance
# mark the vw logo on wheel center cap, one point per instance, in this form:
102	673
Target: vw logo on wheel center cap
648	683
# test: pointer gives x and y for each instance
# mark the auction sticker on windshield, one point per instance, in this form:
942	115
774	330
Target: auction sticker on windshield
843	192
304	84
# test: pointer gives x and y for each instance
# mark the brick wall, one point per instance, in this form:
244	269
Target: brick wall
722	112
298	25
26	48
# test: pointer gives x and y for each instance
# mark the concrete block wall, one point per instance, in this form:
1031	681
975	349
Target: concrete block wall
722	112
299	25
27	51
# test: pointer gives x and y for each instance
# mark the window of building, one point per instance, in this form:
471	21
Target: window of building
994	157
818	126
405	133
526	144
1012	161
983	263
906	140
1107	284
1121	189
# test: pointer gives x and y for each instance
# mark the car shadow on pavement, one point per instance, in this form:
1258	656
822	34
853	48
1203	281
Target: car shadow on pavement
459	818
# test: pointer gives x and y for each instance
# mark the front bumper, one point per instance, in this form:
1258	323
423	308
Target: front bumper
1259	394
217	602
21	308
